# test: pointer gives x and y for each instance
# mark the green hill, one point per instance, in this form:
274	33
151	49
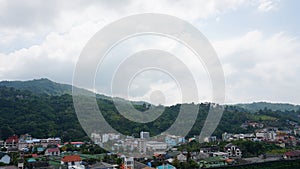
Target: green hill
256	106
40	86
44	108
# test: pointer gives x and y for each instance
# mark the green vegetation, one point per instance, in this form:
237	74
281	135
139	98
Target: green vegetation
40	86
256	106
42	109
268	165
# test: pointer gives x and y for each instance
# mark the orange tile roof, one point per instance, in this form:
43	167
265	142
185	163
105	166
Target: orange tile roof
72	158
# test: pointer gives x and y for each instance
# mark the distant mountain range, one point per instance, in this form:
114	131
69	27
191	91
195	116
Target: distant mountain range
40	86
46	86
256	106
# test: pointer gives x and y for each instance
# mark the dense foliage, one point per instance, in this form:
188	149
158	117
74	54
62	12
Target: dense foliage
46	115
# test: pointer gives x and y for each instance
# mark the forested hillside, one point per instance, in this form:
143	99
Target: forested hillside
45	115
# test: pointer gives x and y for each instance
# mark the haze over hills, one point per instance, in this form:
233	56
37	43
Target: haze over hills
256	106
40	86
46	86
45	109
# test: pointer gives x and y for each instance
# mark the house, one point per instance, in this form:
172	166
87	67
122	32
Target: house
11	141
4	158
233	151
210	139
72	161
138	165
31	160
292	155
213	162
181	157
20	163
52	152
209	149
220	154
167	166
40	149
75	143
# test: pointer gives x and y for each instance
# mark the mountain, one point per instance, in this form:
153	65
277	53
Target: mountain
256	106
48	87
40	86
44	108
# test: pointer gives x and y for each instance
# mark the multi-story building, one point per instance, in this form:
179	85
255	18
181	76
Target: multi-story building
233	151
142	146
144	135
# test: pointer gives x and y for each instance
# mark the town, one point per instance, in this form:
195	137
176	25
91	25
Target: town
145	152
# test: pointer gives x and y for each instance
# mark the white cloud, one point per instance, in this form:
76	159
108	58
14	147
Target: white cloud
267	5
38	40
260	67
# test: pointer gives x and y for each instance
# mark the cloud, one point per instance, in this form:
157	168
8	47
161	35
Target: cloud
45	40
261	67
267	5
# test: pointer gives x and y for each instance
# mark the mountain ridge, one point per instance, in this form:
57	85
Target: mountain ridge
44	115
49	87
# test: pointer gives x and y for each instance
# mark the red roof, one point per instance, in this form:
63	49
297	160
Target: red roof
72	158
12	139
50	150
295	153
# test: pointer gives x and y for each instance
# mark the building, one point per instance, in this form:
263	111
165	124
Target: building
220	154
181	157
26	141
72	162
292	155
11	141
96	138
144	135
209	149
156	146
233	151
20	163
173	140
128	163
226	136
142	146
213	162
166	166
75	143
52	152
4	158
266	135
210	139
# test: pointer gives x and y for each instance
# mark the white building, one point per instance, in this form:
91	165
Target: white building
210	139
96	138
142	146
156	145
72	162
144	135
233	151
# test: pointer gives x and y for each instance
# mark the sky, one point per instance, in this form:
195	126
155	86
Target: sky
257	43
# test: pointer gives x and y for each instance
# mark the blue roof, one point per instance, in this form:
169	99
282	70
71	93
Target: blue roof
30	160
168	166
40	149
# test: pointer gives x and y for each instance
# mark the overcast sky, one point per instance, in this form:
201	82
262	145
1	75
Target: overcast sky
257	42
